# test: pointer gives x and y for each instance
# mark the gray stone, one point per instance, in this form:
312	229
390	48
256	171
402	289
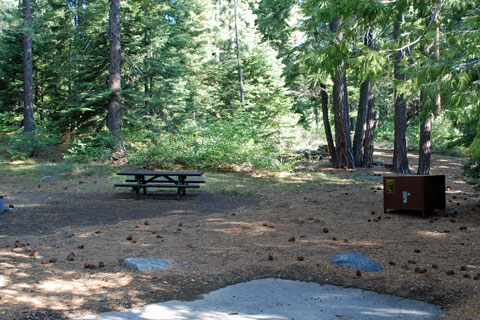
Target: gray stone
356	260
146	264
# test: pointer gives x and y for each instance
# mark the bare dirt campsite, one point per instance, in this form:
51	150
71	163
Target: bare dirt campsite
63	242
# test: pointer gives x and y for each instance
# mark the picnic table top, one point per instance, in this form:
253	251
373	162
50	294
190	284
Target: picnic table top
159	173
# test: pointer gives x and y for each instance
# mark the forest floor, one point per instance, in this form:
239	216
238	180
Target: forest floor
225	232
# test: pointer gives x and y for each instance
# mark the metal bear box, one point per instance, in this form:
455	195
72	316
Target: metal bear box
416	193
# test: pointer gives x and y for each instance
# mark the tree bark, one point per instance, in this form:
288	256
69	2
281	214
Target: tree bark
437	58
359	135
358	138
400	147
369	131
146	76
424	154
114	117
239	62
425	145
326	125
340	104
28	121
218	13
70	61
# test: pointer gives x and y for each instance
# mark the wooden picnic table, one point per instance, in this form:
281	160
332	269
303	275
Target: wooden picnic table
160	179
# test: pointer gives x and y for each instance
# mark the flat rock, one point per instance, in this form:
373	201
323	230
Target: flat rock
356	260
146	264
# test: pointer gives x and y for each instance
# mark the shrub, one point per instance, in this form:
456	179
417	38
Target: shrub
21	145
444	136
90	148
218	145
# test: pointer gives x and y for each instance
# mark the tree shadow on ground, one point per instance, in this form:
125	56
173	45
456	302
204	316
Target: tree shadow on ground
50	212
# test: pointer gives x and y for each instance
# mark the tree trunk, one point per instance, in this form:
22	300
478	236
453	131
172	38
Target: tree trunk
400	156
218	13
340	105
28	122
437	58
425	146
114	117
146	76
342	126
424	154
369	131
358	138
326	124
361	122
237	40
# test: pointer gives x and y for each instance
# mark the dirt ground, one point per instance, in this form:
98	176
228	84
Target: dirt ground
216	238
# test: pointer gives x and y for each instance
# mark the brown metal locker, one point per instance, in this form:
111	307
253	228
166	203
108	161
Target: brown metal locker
416	193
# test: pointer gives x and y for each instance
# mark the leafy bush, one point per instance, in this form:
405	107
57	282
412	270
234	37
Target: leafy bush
385	132
90	148
218	144
9	121
20	145
473	170
474	149
444	136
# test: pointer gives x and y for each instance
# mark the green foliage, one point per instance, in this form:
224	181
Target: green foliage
217	145
474	149
444	137
90	148
473	170
11	61
180	92
273	20
179	67
9	121
385	132
21	145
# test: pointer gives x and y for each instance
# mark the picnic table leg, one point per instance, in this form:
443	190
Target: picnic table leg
140	180
179	189
143	182
182	179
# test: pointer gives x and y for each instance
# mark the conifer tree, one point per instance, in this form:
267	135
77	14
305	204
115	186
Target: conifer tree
28	122
114	117
11	59
365	101
400	147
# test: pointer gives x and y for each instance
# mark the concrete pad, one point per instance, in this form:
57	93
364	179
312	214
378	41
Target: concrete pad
147	264
275	299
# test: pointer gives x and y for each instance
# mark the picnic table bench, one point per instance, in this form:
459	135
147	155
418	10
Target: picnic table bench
160	179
